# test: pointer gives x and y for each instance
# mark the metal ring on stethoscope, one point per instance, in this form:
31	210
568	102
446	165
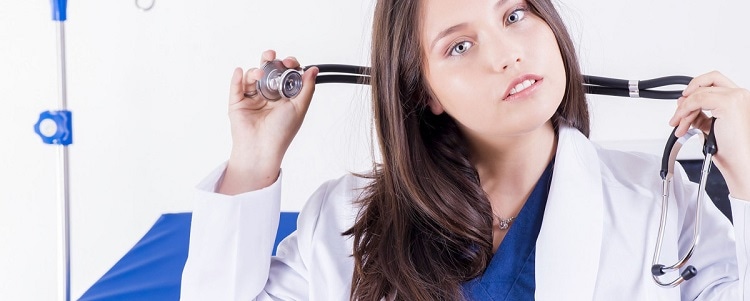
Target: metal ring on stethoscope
146	7
633	89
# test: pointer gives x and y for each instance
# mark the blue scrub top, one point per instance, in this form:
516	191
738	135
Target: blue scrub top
510	275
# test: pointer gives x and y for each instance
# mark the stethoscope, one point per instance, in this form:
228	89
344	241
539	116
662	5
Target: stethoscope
279	81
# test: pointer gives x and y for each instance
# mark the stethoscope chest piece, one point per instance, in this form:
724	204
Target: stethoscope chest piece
278	81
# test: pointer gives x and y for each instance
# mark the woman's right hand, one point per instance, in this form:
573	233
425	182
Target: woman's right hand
261	129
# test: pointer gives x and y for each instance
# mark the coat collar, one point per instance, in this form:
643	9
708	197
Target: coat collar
569	243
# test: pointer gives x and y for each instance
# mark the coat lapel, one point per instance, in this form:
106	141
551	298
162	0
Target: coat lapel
569	242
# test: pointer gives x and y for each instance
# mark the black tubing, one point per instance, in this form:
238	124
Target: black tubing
351	74
710	147
606	91
338	68
656	94
664	81
605	82
587	79
653	94
642	84
342	79
667	152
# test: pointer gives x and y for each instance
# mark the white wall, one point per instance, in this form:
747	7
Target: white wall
148	94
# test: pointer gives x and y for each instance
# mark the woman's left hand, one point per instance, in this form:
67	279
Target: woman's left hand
730	105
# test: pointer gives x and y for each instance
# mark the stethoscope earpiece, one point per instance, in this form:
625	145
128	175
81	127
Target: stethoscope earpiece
669	157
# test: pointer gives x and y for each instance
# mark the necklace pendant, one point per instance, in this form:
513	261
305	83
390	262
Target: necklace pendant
505	224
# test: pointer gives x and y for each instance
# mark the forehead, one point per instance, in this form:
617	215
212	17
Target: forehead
436	12
438	15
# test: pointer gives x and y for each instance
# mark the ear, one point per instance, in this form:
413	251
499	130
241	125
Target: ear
435	106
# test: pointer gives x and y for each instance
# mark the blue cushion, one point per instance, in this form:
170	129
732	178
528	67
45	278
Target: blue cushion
152	269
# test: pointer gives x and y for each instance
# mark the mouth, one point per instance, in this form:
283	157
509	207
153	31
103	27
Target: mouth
522	87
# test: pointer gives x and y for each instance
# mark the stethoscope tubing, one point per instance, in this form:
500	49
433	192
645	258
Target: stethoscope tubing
344	74
642	84
352	74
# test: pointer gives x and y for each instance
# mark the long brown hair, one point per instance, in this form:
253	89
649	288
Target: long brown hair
425	226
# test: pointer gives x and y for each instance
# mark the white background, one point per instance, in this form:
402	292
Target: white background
148	93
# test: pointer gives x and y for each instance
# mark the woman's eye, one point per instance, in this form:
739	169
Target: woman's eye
516	15
460	48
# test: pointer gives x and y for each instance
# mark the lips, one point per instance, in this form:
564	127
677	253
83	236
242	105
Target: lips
521	84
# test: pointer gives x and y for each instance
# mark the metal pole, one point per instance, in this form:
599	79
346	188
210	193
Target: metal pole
63	185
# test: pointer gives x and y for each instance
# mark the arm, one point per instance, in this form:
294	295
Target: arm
262	130
236	213
231	239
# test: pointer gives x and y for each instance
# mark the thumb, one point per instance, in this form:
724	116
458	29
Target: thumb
304	98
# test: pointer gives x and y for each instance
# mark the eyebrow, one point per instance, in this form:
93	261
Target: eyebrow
457	27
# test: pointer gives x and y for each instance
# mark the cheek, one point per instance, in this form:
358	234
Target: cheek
451	85
554	62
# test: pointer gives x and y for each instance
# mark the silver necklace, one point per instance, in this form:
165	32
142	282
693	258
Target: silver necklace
504	223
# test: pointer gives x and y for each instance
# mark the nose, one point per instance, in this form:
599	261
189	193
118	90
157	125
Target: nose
503	54
510	64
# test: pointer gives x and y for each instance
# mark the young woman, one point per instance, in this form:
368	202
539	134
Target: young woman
488	188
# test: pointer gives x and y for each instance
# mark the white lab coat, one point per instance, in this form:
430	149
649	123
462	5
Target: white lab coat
596	242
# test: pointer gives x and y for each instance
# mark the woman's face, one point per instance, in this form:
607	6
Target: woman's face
492	65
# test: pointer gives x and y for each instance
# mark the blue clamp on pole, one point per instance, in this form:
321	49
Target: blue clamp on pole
59	10
55	127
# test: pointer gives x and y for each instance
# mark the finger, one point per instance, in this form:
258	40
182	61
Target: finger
249	93
711	79
251	76
236	88
267	56
703	122
685	124
707	98
304	98
291	62
679	113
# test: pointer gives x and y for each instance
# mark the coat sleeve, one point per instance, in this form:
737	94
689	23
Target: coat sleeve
231	240
741	218
721	255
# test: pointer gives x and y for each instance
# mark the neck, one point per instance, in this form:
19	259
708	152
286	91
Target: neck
511	156
509	167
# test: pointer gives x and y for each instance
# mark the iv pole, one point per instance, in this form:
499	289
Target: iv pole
55	127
